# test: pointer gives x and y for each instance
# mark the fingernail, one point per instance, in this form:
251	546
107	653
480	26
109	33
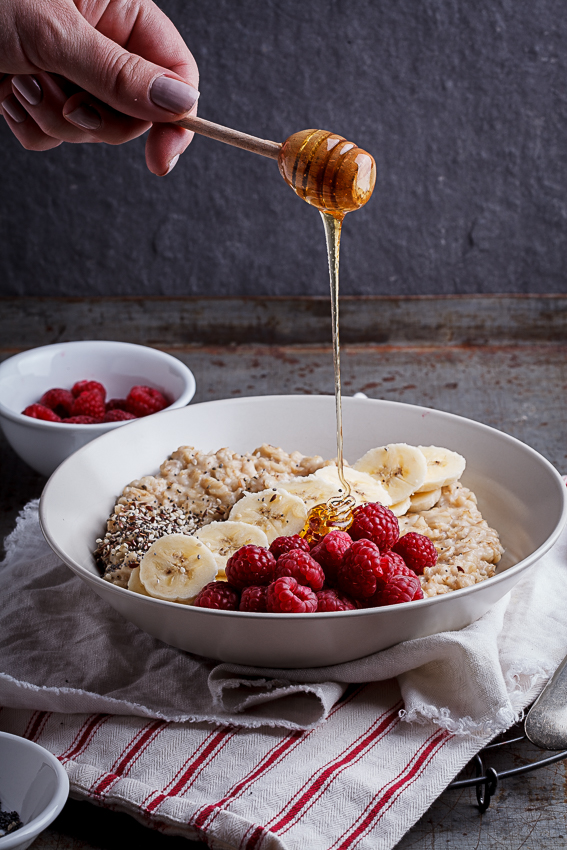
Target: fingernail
14	109
172	164
28	87
84	117
173	95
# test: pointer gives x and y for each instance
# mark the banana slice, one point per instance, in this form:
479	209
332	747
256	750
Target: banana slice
401	508
364	487
401	469
225	538
135	584
443	467
275	511
424	501
313	489
176	567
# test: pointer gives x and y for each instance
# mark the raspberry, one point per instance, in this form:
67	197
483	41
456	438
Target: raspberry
82	420
417	550
392	565
331	600
89	403
329	552
217	594
116	404
118	415
360	569
302	567
401	589
281	545
142	401
250	565
377	523
254	599
286	596
58	400
40	411
87	387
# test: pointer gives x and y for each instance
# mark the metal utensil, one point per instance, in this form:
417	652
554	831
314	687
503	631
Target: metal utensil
546	722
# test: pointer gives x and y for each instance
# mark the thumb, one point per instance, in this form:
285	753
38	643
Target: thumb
126	81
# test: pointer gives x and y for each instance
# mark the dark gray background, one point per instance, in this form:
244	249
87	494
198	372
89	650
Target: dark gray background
464	106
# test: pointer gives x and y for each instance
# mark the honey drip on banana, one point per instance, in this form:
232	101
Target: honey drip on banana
334	176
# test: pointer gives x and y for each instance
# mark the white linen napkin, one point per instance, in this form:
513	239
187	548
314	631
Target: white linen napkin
63	649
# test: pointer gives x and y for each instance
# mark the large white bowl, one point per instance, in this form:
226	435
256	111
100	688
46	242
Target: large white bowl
519	493
118	365
32	783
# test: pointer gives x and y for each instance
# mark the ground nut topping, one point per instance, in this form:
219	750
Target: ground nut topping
468	549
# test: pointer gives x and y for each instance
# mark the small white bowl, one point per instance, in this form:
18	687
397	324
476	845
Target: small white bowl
118	365
519	493
32	783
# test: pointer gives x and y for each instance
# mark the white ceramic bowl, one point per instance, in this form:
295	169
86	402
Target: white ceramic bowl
519	493
32	783
118	365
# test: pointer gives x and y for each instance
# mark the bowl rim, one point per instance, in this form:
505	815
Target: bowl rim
55	805
83	572
184	371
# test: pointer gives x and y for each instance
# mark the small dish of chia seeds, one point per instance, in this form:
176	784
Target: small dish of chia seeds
33	789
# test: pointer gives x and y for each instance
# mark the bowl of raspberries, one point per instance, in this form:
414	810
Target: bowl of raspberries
57	398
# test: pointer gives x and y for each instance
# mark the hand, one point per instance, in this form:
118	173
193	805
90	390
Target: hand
95	71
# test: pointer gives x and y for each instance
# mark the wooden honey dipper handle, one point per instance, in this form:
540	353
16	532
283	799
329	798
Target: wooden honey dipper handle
230	137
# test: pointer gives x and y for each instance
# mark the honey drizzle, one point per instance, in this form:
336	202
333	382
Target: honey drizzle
333	227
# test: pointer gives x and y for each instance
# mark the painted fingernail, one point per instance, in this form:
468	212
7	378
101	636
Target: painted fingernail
173	95
172	164
84	117
14	109
28	87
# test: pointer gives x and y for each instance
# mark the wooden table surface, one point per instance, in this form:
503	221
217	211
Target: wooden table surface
515	386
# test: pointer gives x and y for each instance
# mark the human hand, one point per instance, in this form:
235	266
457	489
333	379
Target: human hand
95	71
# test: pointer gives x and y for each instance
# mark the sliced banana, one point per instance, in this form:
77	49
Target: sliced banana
313	489
401	469
176	567
135	584
443	467
364	487
424	501
225	538
275	511
401	508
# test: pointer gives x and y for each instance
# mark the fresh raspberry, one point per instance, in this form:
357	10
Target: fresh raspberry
286	596
40	411
392	565
250	565
218	594
417	550
360	569
302	567
331	600
116	404
329	552
118	415
82	420
281	545
142	401
254	599
375	522
401	589
89	403
87	387
58	400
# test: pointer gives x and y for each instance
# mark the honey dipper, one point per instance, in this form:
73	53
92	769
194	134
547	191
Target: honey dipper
331	174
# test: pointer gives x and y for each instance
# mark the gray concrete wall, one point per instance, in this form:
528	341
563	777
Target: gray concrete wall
464	106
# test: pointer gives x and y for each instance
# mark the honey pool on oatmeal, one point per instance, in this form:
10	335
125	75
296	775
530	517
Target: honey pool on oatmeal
224	500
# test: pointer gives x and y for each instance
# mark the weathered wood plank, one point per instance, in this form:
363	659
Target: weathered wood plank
180	322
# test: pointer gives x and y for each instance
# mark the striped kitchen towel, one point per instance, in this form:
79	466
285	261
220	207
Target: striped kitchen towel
360	780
